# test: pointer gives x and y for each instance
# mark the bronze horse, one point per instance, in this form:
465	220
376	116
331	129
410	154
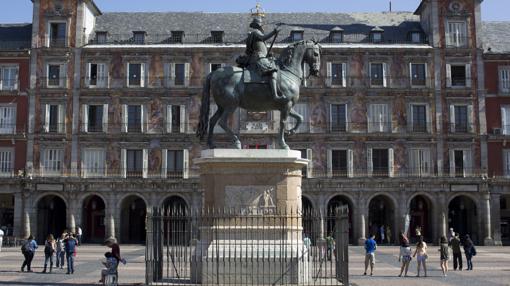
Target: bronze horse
230	92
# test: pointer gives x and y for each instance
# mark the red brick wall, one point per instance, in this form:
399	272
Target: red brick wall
495	156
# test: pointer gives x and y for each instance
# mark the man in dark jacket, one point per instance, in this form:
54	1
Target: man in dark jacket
70	248
457	253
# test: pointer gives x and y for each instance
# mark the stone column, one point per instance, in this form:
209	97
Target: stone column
19	209
443	214
486	202
109	217
496	218
362	210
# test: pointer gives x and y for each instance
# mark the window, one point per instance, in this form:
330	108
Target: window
377	37
506	162
97	75
180	74
176	118
296	36
378	74
52	161
134	122
380	162
458	75
177	74
461	118
93	163
134	163
175	163
504	80
213	67
505	120
419	118
456	34
419	162
55	75
418	74
217	36
416	37
306	172
6	161
339	163
101	38
7	119
336	74
177	37
95	118
338	117
54	121
302	109
378	118
58	33
460	163
139	37
136	74
9	78
336	37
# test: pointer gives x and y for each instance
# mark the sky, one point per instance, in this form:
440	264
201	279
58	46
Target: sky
16	11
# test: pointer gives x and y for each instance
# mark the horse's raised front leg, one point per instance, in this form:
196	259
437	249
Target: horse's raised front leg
212	124
281	136
299	120
224	125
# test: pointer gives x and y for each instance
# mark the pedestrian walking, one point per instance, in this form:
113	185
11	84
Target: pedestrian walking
28	250
405	255
444	254
388	234
70	243
61	252
330	243
456	251
370	247
382	234
421	255
469	251
1	239
49	250
79	234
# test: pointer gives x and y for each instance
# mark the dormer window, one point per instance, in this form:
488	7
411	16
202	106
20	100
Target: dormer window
376	35
177	37
139	37
101	37
57	34
416	37
336	35
297	35
217	36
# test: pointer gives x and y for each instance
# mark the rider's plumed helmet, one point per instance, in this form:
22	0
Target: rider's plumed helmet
256	23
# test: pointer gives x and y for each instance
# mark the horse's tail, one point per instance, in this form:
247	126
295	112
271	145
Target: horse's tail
203	125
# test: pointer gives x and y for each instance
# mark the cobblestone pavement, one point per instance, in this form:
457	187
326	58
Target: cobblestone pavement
491	268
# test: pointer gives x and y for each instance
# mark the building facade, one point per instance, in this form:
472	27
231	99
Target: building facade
14	79
395	126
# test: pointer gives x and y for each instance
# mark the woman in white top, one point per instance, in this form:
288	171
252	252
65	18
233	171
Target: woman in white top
405	254
421	253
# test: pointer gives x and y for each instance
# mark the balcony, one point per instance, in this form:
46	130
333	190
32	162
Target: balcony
464	128
53	82
388	82
53	128
9	84
12	129
137	128
454	41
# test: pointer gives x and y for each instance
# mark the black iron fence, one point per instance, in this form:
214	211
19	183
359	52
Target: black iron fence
246	247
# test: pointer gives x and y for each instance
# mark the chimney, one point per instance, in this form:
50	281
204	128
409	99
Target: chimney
390	6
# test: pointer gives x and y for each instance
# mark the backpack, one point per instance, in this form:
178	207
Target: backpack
473	251
25	247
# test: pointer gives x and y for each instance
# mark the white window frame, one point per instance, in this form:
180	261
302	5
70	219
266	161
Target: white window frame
470	126
61	128
506	163
391	161
350	161
467	155
381	125
8	86
505	119
48	37
6	162
144	77
185	163
210	64
62	80
384	75
420	162
411	75
182	115
504	79
171	75
449	79
8	123
125	118
85	117
457	38
410	118
329	76
49	168
103	78
346	116
100	166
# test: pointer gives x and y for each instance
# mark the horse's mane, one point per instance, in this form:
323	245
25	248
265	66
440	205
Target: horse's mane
288	53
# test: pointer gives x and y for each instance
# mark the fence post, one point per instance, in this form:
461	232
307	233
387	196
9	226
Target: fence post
342	244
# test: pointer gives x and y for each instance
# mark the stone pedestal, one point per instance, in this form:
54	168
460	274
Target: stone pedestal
255	236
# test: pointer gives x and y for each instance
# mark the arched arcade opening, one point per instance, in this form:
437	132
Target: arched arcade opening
333	204
381	219
51	217
463	217
93	219
420	214
177	227
133	218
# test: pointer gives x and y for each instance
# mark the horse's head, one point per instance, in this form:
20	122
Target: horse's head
312	57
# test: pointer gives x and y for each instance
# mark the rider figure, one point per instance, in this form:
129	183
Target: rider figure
257	52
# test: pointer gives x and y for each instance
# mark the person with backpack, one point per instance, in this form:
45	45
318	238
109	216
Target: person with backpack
49	250
60	249
70	243
28	249
469	251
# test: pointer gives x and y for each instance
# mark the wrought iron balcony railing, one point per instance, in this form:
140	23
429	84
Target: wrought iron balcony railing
9	84
12	129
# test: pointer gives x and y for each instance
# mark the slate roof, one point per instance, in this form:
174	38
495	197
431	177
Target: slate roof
15	36
496	36
198	25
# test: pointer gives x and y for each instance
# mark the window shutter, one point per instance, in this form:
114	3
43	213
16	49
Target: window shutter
172	74
370	164
413	162
410	118
347	118
169	118
470	122
506	162
16	78
452	118
144	118
411	74
505	122
426	162
452	163
427	75
350	163
385	118
89	75
468	75
329	74
185	164
85	118
84	161
105	118
102	77
187	74
208	69
344	74
391	162
62	75
468	163
309	167
182	127
428	118
143	76
46	125
127	74
124	118
123	163
164	163
371	118
145	166
167	76
448	75
330	163
61	119
385	74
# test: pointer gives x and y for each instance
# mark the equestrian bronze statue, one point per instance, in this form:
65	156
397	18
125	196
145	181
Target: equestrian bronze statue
260	83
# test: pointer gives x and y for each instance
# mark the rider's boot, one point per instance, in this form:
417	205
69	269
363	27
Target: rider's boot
274	90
